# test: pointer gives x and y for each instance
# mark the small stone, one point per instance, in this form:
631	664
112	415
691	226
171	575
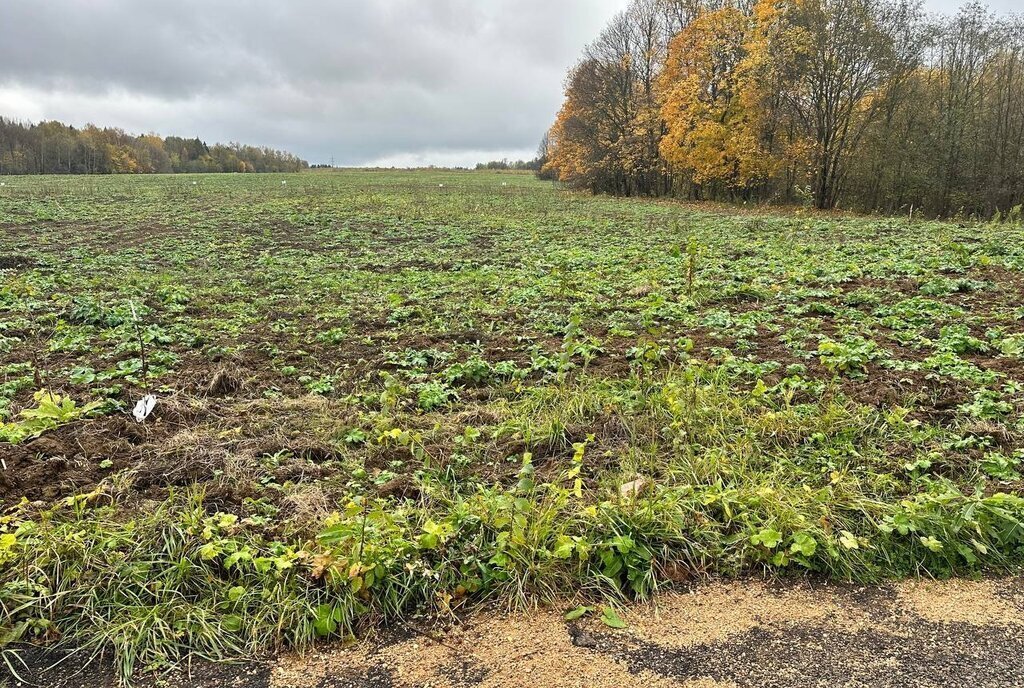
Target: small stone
634	488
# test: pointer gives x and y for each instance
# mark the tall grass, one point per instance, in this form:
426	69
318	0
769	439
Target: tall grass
735	481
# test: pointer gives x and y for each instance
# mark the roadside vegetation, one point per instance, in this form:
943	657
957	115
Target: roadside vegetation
381	393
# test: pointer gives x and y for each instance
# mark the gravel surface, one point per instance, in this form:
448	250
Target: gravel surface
747	633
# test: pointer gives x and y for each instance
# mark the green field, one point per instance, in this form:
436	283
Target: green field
381	392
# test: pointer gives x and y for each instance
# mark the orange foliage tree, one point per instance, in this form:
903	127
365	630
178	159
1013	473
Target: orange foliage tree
710	105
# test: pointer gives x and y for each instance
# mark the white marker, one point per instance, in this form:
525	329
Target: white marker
144	408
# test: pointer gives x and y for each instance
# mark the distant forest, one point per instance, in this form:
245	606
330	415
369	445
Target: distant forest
532	165
57	148
859	104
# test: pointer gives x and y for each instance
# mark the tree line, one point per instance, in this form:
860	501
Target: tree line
56	148
506	164
863	104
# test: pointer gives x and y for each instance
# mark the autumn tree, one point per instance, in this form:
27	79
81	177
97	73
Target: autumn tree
1001	125
713	129
845	55
607	134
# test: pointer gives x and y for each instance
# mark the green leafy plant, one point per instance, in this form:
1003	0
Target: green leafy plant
851	356
52	411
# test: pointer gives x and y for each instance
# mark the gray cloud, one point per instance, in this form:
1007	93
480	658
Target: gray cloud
402	81
360	81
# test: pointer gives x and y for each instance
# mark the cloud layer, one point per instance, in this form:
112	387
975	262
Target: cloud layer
403	81
375	81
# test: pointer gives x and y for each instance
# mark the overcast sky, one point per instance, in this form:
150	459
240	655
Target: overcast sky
389	82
